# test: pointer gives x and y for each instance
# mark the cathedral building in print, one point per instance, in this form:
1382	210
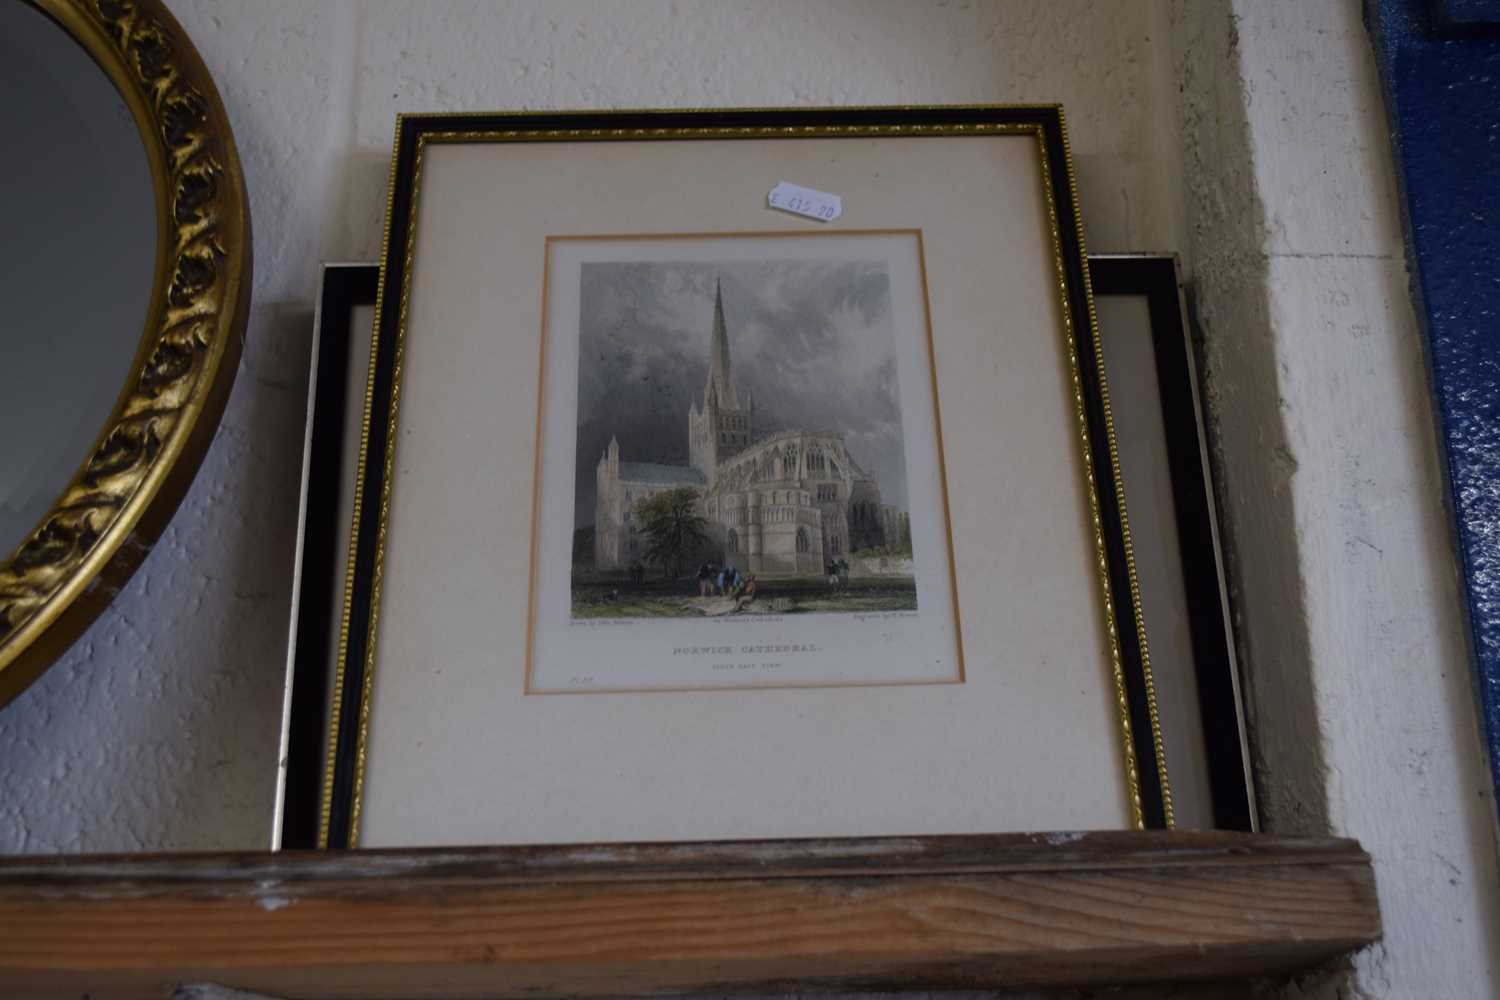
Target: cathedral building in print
781	504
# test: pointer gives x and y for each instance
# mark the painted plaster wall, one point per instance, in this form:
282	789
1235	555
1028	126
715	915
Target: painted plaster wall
158	730
1344	579
1246	135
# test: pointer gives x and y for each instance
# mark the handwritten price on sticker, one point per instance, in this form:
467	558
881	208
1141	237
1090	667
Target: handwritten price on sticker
799	200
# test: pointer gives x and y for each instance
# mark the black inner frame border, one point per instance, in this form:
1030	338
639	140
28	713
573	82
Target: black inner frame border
412	128
318	613
1155	278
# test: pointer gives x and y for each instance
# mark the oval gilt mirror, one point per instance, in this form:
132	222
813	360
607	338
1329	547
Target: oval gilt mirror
125	276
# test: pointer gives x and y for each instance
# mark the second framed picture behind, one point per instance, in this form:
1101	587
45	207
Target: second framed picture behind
742	474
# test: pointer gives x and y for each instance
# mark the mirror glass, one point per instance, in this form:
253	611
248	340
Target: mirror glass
77	260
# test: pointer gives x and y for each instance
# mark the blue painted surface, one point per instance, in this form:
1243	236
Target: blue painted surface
1442	83
1462	13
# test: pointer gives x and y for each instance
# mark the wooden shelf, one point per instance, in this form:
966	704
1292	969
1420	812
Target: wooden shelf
930	912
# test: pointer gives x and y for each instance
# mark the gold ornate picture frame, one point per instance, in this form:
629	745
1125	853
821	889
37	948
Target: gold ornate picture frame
143	460
491	154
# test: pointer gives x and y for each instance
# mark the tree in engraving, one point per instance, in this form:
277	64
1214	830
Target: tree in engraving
673	528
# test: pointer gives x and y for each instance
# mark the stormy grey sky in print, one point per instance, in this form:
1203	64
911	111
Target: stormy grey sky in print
813	340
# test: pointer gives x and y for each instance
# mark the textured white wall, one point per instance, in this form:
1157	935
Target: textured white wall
158	730
1360	690
1246	135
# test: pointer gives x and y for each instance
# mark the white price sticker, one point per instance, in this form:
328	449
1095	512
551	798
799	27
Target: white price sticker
799	200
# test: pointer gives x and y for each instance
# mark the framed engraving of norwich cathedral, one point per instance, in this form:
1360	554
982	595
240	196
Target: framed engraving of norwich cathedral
737	474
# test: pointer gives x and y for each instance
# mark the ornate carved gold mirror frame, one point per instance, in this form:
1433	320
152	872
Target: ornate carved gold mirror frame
126	488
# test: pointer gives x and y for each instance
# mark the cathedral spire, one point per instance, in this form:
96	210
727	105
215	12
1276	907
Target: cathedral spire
718	357
722	428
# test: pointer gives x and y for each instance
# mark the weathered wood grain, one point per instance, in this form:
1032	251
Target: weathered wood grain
1061	909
